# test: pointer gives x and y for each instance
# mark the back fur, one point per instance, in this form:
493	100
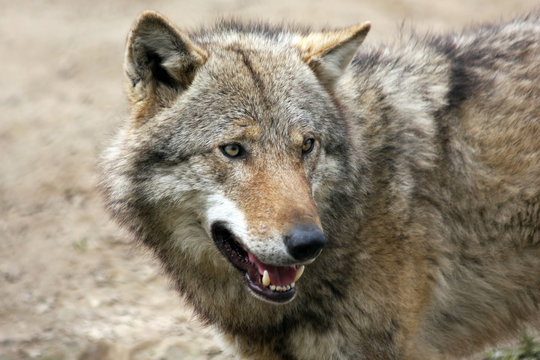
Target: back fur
425	177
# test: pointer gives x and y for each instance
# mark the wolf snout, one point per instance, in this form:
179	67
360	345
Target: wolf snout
305	241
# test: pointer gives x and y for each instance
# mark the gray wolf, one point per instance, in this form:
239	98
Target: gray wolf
316	200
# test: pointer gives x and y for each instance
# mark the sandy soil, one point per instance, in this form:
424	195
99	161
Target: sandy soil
72	286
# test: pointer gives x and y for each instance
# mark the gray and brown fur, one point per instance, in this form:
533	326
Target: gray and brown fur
426	180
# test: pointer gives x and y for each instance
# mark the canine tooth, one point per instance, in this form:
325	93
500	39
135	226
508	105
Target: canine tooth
299	273
266	278
273	287
293	284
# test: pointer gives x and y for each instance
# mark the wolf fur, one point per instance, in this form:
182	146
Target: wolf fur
424	177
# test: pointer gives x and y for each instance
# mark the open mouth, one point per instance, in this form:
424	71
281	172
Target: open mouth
270	282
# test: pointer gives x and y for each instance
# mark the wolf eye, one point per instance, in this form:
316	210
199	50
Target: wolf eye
307	146
233	150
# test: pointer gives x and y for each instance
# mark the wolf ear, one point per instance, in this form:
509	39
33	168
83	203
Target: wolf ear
159	62
329	53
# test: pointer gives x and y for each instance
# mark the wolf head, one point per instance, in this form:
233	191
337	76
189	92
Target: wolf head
232	151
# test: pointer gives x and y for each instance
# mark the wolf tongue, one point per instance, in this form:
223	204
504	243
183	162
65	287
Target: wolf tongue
279	275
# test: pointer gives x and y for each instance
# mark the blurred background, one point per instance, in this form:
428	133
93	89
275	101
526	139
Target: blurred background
72	286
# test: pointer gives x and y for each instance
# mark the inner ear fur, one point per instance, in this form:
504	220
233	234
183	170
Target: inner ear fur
159	62
329	52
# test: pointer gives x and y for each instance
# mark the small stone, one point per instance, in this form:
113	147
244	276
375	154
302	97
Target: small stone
13	274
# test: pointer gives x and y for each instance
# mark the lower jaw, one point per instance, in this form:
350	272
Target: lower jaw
264	293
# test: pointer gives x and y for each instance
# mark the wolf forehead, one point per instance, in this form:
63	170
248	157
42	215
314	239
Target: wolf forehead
215	111
239	75
243	87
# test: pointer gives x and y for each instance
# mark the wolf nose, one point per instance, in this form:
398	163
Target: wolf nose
305	241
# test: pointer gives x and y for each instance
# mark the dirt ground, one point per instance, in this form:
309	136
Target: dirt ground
72	286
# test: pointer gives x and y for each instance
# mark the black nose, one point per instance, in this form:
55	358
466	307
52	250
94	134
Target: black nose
305	241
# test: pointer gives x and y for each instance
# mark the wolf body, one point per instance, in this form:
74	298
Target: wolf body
404	183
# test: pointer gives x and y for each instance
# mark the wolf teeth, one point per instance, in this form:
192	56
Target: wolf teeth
266	278
299	273
281	288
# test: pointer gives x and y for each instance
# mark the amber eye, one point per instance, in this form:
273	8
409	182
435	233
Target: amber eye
233	150
307	146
